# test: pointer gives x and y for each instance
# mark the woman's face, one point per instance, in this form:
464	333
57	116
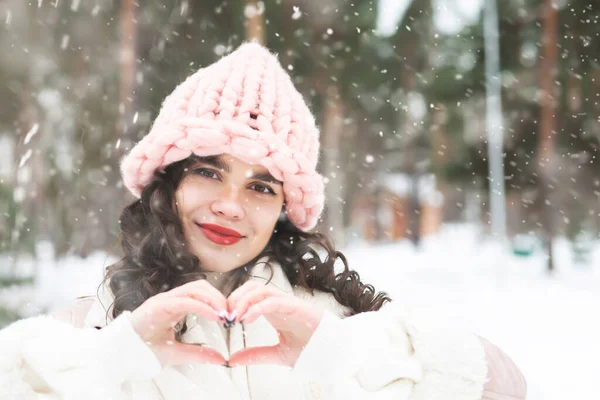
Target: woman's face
228	209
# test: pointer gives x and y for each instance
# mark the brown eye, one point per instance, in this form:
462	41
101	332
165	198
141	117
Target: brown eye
207	173
264	189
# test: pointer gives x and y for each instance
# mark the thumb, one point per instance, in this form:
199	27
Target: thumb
196	354
258	355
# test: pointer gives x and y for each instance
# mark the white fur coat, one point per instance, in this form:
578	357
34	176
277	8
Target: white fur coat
381	355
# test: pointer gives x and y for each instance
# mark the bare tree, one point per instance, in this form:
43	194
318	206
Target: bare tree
127	56
547	129
333	125
255	24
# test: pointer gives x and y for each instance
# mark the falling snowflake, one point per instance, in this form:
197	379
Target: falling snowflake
25	158
297	13
64	42
75	5
34	129
252	10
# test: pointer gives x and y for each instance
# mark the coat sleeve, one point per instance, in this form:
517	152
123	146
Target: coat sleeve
44	358
391	355
76	314
505	380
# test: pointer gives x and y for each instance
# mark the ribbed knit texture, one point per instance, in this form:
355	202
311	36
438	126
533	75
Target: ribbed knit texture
245	105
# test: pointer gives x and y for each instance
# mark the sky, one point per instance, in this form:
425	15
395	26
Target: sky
449	15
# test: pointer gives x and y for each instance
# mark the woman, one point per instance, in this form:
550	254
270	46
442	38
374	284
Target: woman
223	292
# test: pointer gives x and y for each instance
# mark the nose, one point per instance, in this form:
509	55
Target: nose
228	204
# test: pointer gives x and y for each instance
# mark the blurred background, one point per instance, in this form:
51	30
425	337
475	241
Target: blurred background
459	144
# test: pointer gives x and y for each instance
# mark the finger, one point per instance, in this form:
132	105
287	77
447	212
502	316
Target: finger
193	353
241	291
175	308
203	291
253	297
210	294
280	304
258	355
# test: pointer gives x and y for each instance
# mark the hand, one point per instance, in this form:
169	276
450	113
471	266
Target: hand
294	319
156	318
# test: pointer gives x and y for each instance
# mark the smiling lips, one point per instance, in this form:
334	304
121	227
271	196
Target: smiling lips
219	234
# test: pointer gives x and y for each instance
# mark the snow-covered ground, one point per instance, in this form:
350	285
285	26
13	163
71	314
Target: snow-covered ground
550	326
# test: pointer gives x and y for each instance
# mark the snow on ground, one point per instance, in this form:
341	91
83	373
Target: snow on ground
549	325
57	284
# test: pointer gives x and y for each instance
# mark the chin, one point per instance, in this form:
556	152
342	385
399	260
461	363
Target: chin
225	264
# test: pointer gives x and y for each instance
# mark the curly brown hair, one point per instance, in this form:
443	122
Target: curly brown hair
156	258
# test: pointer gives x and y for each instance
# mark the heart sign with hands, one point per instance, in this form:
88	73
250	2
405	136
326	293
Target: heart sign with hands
155	320
294	319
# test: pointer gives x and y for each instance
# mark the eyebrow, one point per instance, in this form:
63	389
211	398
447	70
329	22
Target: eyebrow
215	162
218	163
265	177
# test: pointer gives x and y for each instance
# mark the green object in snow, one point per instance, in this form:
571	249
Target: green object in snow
523	245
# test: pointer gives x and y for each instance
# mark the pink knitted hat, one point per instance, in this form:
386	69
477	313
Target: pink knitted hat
245	105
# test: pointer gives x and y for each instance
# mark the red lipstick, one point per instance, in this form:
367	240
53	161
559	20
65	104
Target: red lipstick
220	235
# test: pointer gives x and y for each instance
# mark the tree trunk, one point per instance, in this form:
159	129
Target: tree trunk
418	18
127	73
104	207
440	150
333	124
545	151
255	24
128	33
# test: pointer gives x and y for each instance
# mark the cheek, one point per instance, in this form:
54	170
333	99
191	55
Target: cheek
264	215
189	196
182	205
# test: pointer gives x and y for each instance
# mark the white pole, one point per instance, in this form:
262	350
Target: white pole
494	122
